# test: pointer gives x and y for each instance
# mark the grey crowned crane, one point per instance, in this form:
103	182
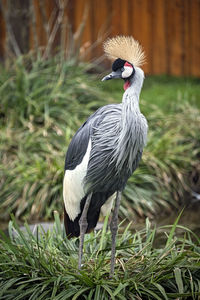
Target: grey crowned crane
106	149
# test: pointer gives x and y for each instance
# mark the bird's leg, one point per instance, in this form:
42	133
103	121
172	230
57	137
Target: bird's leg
83	227
114	228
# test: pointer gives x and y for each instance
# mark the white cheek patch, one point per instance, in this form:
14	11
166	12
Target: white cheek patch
73	186
127	72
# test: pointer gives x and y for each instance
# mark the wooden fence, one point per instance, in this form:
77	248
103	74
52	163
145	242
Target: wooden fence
169	30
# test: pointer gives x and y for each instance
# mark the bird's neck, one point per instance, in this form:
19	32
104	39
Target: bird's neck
133	86
130	139
133	125
130	100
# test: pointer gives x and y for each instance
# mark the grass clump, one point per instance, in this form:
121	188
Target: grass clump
44	265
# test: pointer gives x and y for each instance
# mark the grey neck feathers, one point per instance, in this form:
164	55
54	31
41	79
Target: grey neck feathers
133	129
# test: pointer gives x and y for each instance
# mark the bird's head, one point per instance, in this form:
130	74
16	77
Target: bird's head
131	57
121	69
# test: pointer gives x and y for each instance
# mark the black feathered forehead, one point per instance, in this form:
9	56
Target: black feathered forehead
117	64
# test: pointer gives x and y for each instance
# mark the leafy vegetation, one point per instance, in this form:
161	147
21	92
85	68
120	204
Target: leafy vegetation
43	102
47	103
44	265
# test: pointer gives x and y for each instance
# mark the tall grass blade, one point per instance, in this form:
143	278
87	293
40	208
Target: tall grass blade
179	281
171	234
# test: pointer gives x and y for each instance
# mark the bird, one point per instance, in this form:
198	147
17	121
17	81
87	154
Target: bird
106	149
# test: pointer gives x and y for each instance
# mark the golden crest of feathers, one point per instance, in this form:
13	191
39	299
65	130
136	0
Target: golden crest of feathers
126	48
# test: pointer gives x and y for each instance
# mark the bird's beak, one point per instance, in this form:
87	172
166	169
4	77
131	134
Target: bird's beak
112	75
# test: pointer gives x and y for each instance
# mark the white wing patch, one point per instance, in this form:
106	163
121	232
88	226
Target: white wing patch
73	187
106	208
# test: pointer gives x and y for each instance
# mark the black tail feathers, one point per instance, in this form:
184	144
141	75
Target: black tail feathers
72	228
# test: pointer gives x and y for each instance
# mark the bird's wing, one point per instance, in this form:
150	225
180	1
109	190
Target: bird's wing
80	140
76	164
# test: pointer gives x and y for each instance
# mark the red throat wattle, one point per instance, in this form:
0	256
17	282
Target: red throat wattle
126	84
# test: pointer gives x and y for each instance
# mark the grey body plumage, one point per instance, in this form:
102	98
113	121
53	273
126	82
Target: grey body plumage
106	149
118	133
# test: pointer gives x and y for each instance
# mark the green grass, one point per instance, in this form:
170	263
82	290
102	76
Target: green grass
42	105
44	265
178	90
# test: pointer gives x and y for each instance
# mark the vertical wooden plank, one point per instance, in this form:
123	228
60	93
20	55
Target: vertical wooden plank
100	24
187	38
158	54
39	25
125	14
116	17
82	25
175	36
142	27
68	28
50	10
80	8
119	17
167	41
195	40
150	34
130	19
70	13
